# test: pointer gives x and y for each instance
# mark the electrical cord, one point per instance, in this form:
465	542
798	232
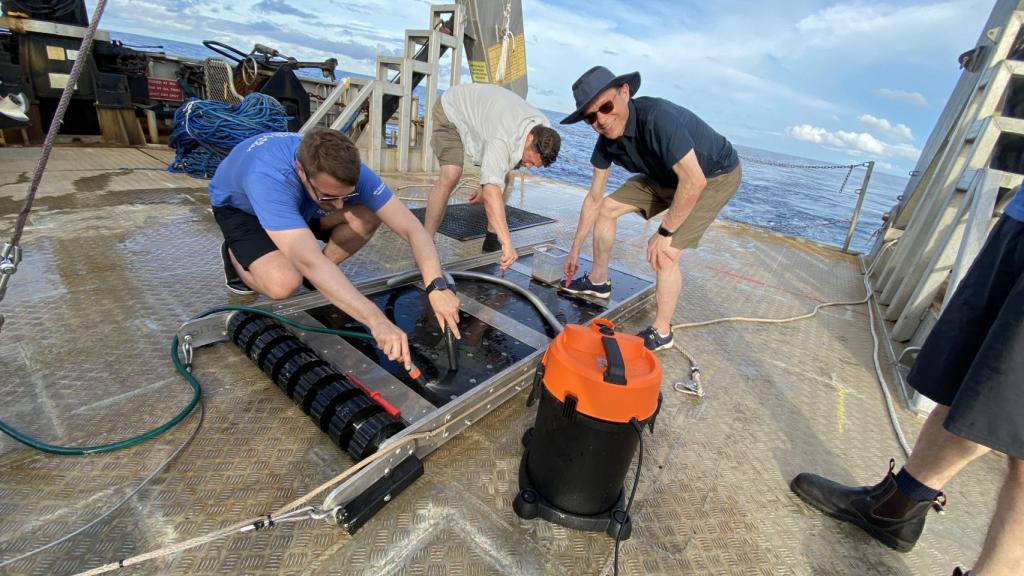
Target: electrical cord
632	492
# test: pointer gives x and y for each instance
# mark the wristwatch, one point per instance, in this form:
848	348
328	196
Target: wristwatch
664	231
438	284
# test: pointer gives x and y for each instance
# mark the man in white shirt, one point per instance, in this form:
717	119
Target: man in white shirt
499	131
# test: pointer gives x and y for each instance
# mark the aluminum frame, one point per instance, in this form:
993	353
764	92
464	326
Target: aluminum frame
421	416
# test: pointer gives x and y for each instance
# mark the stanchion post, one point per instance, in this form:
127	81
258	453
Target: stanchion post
860	202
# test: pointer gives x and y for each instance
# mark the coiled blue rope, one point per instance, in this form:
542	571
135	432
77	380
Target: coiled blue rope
206	130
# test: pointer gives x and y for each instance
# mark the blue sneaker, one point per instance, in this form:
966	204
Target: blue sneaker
583	285
654	341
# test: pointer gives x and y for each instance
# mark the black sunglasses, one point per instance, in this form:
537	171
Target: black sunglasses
605	109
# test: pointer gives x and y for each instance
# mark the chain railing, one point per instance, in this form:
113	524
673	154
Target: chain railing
780	164
854	218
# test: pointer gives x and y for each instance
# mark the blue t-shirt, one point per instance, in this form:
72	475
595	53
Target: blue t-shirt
259	177
1015	209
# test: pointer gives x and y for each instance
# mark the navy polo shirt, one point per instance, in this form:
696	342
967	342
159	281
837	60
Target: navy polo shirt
658	134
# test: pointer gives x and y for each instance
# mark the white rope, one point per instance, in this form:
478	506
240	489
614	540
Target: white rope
869	294
290	510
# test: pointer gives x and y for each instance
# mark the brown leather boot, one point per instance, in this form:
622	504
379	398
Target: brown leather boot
900	526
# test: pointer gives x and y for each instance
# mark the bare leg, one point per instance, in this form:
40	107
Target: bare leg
604	236
666	292
272	275
439	194
1002	554
351	228
939	454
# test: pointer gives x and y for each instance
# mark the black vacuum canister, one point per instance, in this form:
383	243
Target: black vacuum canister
591	383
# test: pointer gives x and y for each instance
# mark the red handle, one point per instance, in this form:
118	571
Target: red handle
376	397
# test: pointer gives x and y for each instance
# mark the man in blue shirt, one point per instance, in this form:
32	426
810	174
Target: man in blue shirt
972	366
682	167
277	194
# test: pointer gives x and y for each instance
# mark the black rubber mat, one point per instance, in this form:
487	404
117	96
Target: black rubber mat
469	221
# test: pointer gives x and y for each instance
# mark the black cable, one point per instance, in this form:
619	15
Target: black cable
632	493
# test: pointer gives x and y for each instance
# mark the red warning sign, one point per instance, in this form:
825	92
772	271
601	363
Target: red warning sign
160	89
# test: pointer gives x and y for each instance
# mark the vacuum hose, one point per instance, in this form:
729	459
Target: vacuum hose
481	277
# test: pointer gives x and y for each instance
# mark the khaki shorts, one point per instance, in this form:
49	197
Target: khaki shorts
652	199
445	139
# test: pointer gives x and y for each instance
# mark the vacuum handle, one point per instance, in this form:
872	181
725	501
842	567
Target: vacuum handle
538	379
452	348
615	373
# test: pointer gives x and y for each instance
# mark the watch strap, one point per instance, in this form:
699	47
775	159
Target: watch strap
434	285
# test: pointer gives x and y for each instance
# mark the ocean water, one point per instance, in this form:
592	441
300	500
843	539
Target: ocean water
815	204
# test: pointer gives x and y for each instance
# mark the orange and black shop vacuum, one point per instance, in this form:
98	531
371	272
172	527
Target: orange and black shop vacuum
597	390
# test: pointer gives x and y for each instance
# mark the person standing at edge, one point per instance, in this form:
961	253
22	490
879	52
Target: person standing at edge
681	165
500	131
972	366
276	194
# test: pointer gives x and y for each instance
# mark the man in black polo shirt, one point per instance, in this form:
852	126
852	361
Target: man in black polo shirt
682	167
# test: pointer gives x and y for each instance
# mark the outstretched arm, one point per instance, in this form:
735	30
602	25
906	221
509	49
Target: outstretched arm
494	205
303	251
444	302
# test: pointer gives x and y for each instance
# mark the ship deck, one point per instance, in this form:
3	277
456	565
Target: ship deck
119	253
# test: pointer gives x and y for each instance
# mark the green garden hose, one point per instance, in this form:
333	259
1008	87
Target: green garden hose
186	372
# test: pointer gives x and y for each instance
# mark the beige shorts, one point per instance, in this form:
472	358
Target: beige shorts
445	139
652	199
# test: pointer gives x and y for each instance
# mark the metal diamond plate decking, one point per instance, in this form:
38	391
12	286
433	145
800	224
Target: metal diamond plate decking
119	253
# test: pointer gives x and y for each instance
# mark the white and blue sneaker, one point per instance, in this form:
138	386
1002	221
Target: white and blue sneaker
583	285
654	341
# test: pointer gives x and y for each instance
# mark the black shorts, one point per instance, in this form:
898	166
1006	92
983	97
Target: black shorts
973	359
247	238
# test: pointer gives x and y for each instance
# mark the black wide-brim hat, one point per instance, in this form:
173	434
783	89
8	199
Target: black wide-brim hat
592	83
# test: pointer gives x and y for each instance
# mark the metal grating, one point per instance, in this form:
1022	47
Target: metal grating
469	221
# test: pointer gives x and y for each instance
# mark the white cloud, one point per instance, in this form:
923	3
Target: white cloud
748	68
915	98
842	22
886	128
851	141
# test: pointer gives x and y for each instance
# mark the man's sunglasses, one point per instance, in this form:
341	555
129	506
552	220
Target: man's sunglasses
316	191
605	108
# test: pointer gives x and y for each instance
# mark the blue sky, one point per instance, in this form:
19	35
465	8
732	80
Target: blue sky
838	81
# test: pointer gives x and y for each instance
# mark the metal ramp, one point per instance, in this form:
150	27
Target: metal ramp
373	102
971	163
503	339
